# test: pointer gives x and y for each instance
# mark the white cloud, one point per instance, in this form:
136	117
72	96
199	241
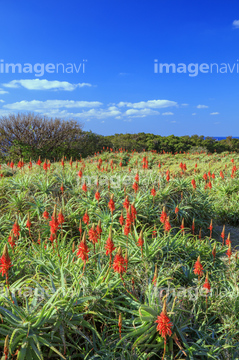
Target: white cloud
37	84
87	110
236	24
2	101
202	106
184	105
85	115
193	113
153	104
168	113
36	105
173	121
3	92
214	113
112	108
140	112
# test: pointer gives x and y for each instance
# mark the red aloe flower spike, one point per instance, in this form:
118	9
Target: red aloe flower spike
60	217
154	281
223	234
11	240
39	161
109	247
119	263
93	235
153	192
163	216
207	286
167	226
126	203
164	325
86	217
45	167
210	228
54	222
121	219
61	220
141	241
99	229
111	204
5	263
84	187
16	229
28	224
45	214
133	213
83	250
97	196
198	268
228	240
135	186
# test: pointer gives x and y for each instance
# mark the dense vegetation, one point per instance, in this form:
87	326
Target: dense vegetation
30	136
74	292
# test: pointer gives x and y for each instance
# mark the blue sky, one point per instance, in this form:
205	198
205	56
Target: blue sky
118	41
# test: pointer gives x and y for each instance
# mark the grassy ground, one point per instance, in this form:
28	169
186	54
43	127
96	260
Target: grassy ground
56	303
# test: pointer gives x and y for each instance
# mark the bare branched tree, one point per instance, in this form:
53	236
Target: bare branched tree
38	133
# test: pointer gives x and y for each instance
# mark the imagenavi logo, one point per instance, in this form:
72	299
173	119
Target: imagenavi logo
39	69
194	69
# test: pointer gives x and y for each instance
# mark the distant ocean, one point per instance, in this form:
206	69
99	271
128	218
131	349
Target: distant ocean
224	138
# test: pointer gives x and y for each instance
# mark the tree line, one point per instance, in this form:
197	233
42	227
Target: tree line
31	135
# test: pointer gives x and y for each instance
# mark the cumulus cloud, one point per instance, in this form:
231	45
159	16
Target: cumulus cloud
140	112
84	115
214	113
235	24
91	109
202	106
153	104
37	105
168	113
37	84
